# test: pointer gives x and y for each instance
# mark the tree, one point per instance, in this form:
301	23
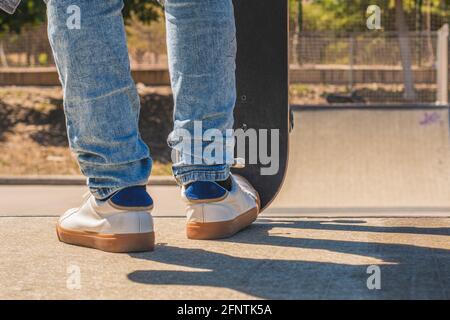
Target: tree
33	12
29	13
144	39
405	50
144	10
349	16
336	15
296	22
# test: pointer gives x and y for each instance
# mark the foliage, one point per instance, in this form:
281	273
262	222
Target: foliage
33	12
344	15
145	38
29	13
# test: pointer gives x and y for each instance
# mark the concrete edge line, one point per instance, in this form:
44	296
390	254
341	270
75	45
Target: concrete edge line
62	180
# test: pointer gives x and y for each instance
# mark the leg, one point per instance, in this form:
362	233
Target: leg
102	111
202	51
100	99
201	40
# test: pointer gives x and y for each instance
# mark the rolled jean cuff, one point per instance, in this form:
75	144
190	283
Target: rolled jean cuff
189	174
105	193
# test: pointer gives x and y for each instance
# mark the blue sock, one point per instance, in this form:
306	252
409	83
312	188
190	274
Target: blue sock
207	190
136	196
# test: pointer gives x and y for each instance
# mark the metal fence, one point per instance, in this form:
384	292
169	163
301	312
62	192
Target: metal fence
366	66
29	49
369	65
32	49
360	49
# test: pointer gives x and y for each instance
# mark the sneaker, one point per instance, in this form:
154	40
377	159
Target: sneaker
213	212
122	223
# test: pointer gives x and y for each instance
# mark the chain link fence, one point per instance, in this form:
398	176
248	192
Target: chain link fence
31	48
363	67
28	49
380	49
325	67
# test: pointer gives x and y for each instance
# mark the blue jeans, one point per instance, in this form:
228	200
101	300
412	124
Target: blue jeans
101	103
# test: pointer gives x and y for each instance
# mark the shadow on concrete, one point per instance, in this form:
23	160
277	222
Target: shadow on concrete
357	226
383	96
407	272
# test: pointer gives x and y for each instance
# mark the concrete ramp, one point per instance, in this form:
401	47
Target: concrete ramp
372	161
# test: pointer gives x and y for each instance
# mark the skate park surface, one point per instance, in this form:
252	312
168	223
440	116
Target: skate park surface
365	187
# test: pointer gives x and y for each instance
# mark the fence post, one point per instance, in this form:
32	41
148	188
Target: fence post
442	65
351	78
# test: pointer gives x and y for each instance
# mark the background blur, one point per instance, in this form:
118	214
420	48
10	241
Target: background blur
334	57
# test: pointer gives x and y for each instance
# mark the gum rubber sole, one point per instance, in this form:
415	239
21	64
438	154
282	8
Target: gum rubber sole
223	229
118	243
220	230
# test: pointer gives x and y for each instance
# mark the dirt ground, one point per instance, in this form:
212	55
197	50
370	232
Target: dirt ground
33	138
33	133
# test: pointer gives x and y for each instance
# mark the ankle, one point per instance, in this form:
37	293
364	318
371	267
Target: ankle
134	196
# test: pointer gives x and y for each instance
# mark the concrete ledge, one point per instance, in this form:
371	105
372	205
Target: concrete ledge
48	76
336	75
62	180
29	77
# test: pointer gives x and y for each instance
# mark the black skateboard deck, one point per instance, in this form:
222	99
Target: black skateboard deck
263	87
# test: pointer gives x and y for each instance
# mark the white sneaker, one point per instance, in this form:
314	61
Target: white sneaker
106	226
214	212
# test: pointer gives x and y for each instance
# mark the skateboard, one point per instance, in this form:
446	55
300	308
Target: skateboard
262	80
